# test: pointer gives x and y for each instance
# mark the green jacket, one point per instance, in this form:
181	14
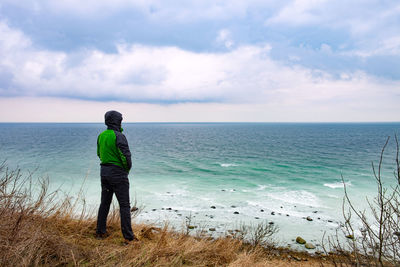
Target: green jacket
112	146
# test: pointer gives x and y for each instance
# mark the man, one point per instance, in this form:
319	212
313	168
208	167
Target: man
115	156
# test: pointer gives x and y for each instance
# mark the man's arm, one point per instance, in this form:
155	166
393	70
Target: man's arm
123	147
98	146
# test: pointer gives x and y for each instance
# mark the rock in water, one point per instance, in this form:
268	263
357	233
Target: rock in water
212	229
309	219
300	240
309	246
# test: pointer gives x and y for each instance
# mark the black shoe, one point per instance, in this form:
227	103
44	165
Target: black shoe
130	241
101	236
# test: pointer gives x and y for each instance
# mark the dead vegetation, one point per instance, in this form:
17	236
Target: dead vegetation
40	228
372	234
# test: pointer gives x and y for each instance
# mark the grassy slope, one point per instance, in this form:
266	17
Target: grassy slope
59	241
39	230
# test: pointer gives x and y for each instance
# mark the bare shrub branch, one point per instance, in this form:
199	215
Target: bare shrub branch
377	241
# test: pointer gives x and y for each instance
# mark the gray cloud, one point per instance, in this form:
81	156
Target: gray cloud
353	30
151	74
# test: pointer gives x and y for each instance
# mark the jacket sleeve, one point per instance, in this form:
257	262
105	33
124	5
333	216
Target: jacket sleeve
125	153
98	147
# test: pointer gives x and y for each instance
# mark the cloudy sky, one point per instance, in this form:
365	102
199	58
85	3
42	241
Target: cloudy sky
200	60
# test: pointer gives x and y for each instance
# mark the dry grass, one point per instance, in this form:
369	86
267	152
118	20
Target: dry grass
41	230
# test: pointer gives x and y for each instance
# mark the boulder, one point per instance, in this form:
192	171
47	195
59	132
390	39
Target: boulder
236	212
309	219
300	240
309	246
213	207
212	229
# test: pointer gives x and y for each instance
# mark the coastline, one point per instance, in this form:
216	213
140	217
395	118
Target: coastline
192	167
38	229
62	240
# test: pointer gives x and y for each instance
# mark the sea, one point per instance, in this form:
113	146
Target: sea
218	175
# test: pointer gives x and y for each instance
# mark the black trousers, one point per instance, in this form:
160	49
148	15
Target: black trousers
120	186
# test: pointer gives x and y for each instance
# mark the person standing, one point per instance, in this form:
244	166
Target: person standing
115	157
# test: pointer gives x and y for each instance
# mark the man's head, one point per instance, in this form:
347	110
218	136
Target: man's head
113	120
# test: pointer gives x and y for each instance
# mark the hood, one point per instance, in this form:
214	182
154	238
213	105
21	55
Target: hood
113	120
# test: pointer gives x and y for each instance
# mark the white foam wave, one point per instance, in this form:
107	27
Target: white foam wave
261	187
297	197
333	196
225	165
337	184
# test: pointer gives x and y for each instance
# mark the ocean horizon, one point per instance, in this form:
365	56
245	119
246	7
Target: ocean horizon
220	174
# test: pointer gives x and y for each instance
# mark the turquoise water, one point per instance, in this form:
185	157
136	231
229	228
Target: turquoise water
293	170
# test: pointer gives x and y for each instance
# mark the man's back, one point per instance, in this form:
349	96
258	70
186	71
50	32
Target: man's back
112	147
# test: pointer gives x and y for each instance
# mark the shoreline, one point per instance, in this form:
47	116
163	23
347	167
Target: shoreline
280	238
40	228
